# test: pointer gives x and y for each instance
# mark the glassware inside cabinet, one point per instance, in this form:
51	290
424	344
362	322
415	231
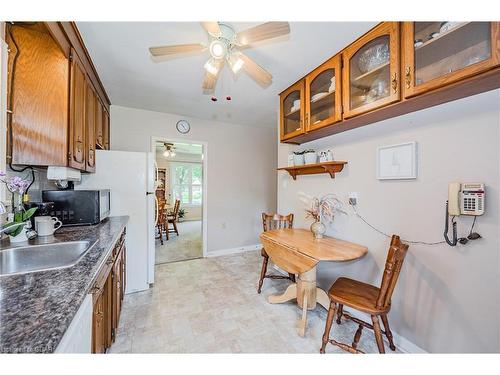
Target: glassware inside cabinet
292	113
322	96
369	77
442	48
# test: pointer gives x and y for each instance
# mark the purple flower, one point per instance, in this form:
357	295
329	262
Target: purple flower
16	184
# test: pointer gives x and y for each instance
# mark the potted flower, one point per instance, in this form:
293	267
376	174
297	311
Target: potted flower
180	215
322	209
298	158
310	157
16	229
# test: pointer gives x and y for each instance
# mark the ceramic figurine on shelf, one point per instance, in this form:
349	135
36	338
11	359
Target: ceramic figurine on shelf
329	155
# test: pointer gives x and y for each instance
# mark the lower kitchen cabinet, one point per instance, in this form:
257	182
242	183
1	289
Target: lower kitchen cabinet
107	295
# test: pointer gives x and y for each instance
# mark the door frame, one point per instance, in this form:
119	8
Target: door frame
154	140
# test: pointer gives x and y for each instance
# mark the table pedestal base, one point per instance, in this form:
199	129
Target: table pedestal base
307	294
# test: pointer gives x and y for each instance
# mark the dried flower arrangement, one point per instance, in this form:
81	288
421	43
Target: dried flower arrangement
322	208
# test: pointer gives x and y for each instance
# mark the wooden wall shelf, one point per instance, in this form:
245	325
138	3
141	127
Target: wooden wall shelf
330	167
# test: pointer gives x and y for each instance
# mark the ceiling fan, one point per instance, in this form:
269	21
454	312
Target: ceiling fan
225	46
169	150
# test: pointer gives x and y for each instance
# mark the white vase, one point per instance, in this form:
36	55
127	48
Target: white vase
311	158
298	159
318	229
21	237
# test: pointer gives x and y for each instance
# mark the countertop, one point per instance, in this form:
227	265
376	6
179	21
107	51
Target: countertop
37	308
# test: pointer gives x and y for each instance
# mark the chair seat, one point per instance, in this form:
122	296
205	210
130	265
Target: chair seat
356	294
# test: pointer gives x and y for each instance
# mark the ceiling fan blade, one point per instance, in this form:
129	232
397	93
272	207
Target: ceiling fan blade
254	70
212	28
210	80
175	49
261	32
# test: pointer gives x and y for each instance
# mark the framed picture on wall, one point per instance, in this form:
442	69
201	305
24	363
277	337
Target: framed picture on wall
397	162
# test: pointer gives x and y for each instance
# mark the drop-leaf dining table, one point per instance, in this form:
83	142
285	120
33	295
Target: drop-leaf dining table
297	251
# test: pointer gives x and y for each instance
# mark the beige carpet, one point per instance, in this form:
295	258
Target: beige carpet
187	245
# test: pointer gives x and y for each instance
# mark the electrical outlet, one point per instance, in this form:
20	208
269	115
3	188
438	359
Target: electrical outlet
353	198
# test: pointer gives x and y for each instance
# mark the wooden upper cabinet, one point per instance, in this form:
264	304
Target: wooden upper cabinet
76	154
90	100
105	129
439	53
371	77
292	111
323	102
99	134
38	80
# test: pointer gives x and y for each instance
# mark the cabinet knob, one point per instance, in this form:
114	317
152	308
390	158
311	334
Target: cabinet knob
395	82
408	77
95	290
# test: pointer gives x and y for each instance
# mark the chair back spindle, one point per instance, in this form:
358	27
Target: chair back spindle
275	221
393	264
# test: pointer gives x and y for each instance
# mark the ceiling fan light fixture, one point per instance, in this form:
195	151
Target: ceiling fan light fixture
211	67
236	63
217	49
166	153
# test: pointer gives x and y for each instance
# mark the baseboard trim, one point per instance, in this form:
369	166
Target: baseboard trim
402	343
234	250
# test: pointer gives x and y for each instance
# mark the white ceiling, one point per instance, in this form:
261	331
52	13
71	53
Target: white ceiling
120	53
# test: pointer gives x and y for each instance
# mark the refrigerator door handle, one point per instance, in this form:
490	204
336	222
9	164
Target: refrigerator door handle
157	206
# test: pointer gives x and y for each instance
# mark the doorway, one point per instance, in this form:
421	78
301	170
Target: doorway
180	193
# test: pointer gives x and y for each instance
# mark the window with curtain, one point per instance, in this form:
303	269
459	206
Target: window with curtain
186	182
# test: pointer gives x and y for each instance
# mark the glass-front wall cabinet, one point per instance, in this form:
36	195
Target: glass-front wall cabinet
371	67
292	111
439	53
323	100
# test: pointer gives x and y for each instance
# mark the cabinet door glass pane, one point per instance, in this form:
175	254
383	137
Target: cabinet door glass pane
445	47
291	112
322	96
369	70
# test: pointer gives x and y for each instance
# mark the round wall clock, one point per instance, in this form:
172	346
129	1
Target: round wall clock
183	126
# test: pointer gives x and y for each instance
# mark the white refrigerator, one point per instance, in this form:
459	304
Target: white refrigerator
131	177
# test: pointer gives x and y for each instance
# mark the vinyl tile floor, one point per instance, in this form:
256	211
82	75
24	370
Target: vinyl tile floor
211	305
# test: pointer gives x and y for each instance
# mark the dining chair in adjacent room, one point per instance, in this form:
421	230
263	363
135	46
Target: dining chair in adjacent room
368	299
269	222
171	218
161	219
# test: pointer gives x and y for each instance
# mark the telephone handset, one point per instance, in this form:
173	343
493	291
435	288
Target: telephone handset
463	199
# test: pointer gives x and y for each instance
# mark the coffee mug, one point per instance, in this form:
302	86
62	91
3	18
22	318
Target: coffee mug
46	225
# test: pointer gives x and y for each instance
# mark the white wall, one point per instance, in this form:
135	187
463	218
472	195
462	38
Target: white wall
241	168
447	299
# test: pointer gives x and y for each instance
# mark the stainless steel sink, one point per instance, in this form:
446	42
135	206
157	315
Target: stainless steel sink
32	258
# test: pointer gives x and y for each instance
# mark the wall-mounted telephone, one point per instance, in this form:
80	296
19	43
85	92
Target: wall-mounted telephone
463	199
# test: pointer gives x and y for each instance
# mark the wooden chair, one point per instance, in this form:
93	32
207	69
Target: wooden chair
368	299
171	218
269	222
160	225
